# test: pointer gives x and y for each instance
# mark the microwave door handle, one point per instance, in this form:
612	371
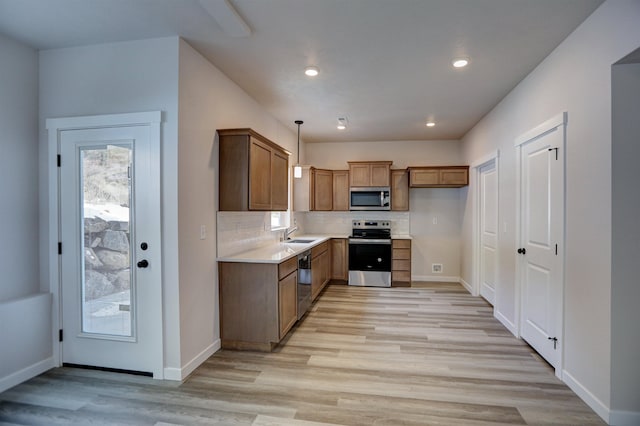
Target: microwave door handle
381	198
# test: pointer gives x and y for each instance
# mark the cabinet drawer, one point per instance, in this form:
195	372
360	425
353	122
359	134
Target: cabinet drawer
401	254
401	276
315	251
401	265
401	244
287	267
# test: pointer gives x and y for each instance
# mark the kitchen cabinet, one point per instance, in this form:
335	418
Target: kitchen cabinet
401	263
322	190
369	173
399	190
253	172
339	259
340	190
320	268
258	303
439	177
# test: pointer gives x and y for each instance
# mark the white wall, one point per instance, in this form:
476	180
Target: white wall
625	250
19	165
574	78
208	101
432	243
116	78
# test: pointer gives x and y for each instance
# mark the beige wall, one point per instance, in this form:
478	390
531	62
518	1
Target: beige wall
208	100
576	78
432	243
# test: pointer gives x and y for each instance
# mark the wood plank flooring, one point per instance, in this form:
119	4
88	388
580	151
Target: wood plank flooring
430	354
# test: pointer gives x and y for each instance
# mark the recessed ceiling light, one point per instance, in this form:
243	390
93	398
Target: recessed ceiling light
311	71
460	62
430	124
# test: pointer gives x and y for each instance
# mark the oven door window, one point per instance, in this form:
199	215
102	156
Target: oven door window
370	257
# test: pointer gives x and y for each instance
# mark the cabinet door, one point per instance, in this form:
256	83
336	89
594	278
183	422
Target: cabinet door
325	262
454	177
316	278
279	181
424	177
287	303
340	190
359	175
399	190
339	264
323	190
259	176
380	175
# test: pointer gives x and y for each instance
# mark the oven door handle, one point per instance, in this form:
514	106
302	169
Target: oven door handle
368	241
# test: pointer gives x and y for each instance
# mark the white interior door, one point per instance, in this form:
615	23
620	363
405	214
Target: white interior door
110	263
488	221
541	220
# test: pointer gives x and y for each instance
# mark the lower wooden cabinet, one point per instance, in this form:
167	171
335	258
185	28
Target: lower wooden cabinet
258	303
320	268
288	302
401	263
340	259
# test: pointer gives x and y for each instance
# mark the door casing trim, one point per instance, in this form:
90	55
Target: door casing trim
54	126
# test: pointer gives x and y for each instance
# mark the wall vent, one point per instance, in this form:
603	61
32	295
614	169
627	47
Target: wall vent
436	268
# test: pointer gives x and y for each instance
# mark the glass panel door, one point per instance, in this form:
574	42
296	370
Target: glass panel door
106	234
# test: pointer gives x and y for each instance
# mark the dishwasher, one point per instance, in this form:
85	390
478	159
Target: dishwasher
304	282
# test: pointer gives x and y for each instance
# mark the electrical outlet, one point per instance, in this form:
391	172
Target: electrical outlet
203	232
436	268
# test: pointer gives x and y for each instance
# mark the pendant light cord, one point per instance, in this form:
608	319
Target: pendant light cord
298	122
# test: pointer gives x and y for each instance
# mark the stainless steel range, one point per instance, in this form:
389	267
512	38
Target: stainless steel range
370	253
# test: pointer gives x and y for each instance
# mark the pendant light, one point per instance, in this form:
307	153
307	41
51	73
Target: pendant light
297	169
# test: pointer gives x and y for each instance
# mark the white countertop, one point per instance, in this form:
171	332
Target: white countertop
279	252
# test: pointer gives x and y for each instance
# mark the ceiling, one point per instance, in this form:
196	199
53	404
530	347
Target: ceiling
384	64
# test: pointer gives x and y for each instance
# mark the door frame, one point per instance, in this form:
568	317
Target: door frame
555	122
477	226
476	166
54	126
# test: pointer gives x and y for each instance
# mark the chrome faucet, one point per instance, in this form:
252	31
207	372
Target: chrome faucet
288	232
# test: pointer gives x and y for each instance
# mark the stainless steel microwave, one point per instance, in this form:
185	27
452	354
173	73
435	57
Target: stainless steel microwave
370	198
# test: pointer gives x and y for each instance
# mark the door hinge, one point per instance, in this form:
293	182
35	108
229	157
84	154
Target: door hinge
59	160
59	248
556	249
60	335
556	150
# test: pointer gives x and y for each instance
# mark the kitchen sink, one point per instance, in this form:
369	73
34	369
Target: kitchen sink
298	241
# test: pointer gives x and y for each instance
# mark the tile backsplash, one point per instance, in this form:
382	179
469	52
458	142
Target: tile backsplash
340	222
243	231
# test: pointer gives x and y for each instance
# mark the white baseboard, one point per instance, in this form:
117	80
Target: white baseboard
506	322
179	374
624	418
440	278
596	405
26	374
466	285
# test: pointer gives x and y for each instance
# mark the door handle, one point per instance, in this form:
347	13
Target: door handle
143	263
522	251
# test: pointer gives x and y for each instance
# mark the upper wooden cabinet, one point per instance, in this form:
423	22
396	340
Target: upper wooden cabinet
439	177
340	190
322	190
253	172
399	190
369	173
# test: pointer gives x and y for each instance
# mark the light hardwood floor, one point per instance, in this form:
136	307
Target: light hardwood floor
426	355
